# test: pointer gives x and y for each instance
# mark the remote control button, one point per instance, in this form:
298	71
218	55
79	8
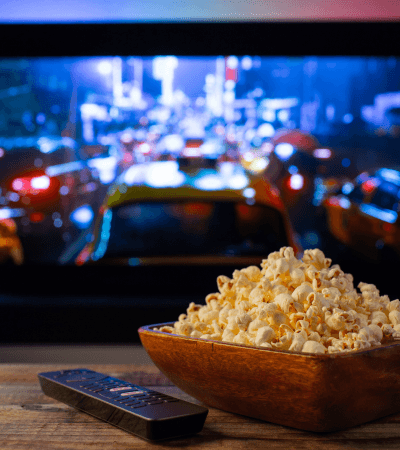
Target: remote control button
109	395
78	377
139	397
131	393
114	380
128	401
75	373
137	406
122	388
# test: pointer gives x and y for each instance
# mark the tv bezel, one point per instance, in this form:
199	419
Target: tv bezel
55	300
266	38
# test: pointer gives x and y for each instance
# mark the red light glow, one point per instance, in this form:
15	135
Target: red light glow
20	184
36	217
388	227
368	186
127	157
332	201
198	209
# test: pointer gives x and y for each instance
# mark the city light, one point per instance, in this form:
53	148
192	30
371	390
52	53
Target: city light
344	203
105	67
8	213
266	130
232	62
238	181
209	183
347	188
42	182
247	63
82	217
381	214
296	182
322	153
346	162
390	175
284	151
164	174
17	184
249	192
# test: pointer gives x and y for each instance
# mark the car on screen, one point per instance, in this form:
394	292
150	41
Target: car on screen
165	213
50	189
363	214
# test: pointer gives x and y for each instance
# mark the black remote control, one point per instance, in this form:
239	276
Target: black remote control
138	410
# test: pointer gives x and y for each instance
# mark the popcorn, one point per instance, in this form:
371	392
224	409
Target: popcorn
300	305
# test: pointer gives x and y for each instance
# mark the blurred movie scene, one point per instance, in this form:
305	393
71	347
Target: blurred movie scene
204	160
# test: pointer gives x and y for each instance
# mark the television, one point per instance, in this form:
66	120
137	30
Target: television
139	161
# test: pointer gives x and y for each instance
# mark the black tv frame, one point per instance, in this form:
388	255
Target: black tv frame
99	304
201	38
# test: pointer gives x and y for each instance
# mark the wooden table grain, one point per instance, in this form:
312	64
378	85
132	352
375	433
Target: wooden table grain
31	420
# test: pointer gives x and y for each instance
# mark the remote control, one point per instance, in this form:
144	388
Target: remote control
146	413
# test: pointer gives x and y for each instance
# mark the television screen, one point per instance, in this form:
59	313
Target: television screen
130	163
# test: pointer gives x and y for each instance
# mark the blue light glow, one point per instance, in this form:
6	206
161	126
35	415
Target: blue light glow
104	236
53	171
64	190
82	217
134	261
390	175
209	183
382	214
8	213
105	67
106	167
266	130
347	188
232	62
322	153
344	203
173	142
58	223
13	196
164	174
238	181
346	162
249	193
293	169
348	118
311	238
284	151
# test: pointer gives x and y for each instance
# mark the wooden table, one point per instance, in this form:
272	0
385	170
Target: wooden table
31	420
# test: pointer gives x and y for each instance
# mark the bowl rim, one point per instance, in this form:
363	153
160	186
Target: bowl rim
387	344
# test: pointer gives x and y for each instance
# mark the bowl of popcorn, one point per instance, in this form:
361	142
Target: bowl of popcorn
291	342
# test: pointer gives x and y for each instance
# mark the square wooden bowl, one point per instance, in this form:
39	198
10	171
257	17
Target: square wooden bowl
301	390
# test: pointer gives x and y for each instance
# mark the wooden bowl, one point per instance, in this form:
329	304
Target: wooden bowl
301	390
